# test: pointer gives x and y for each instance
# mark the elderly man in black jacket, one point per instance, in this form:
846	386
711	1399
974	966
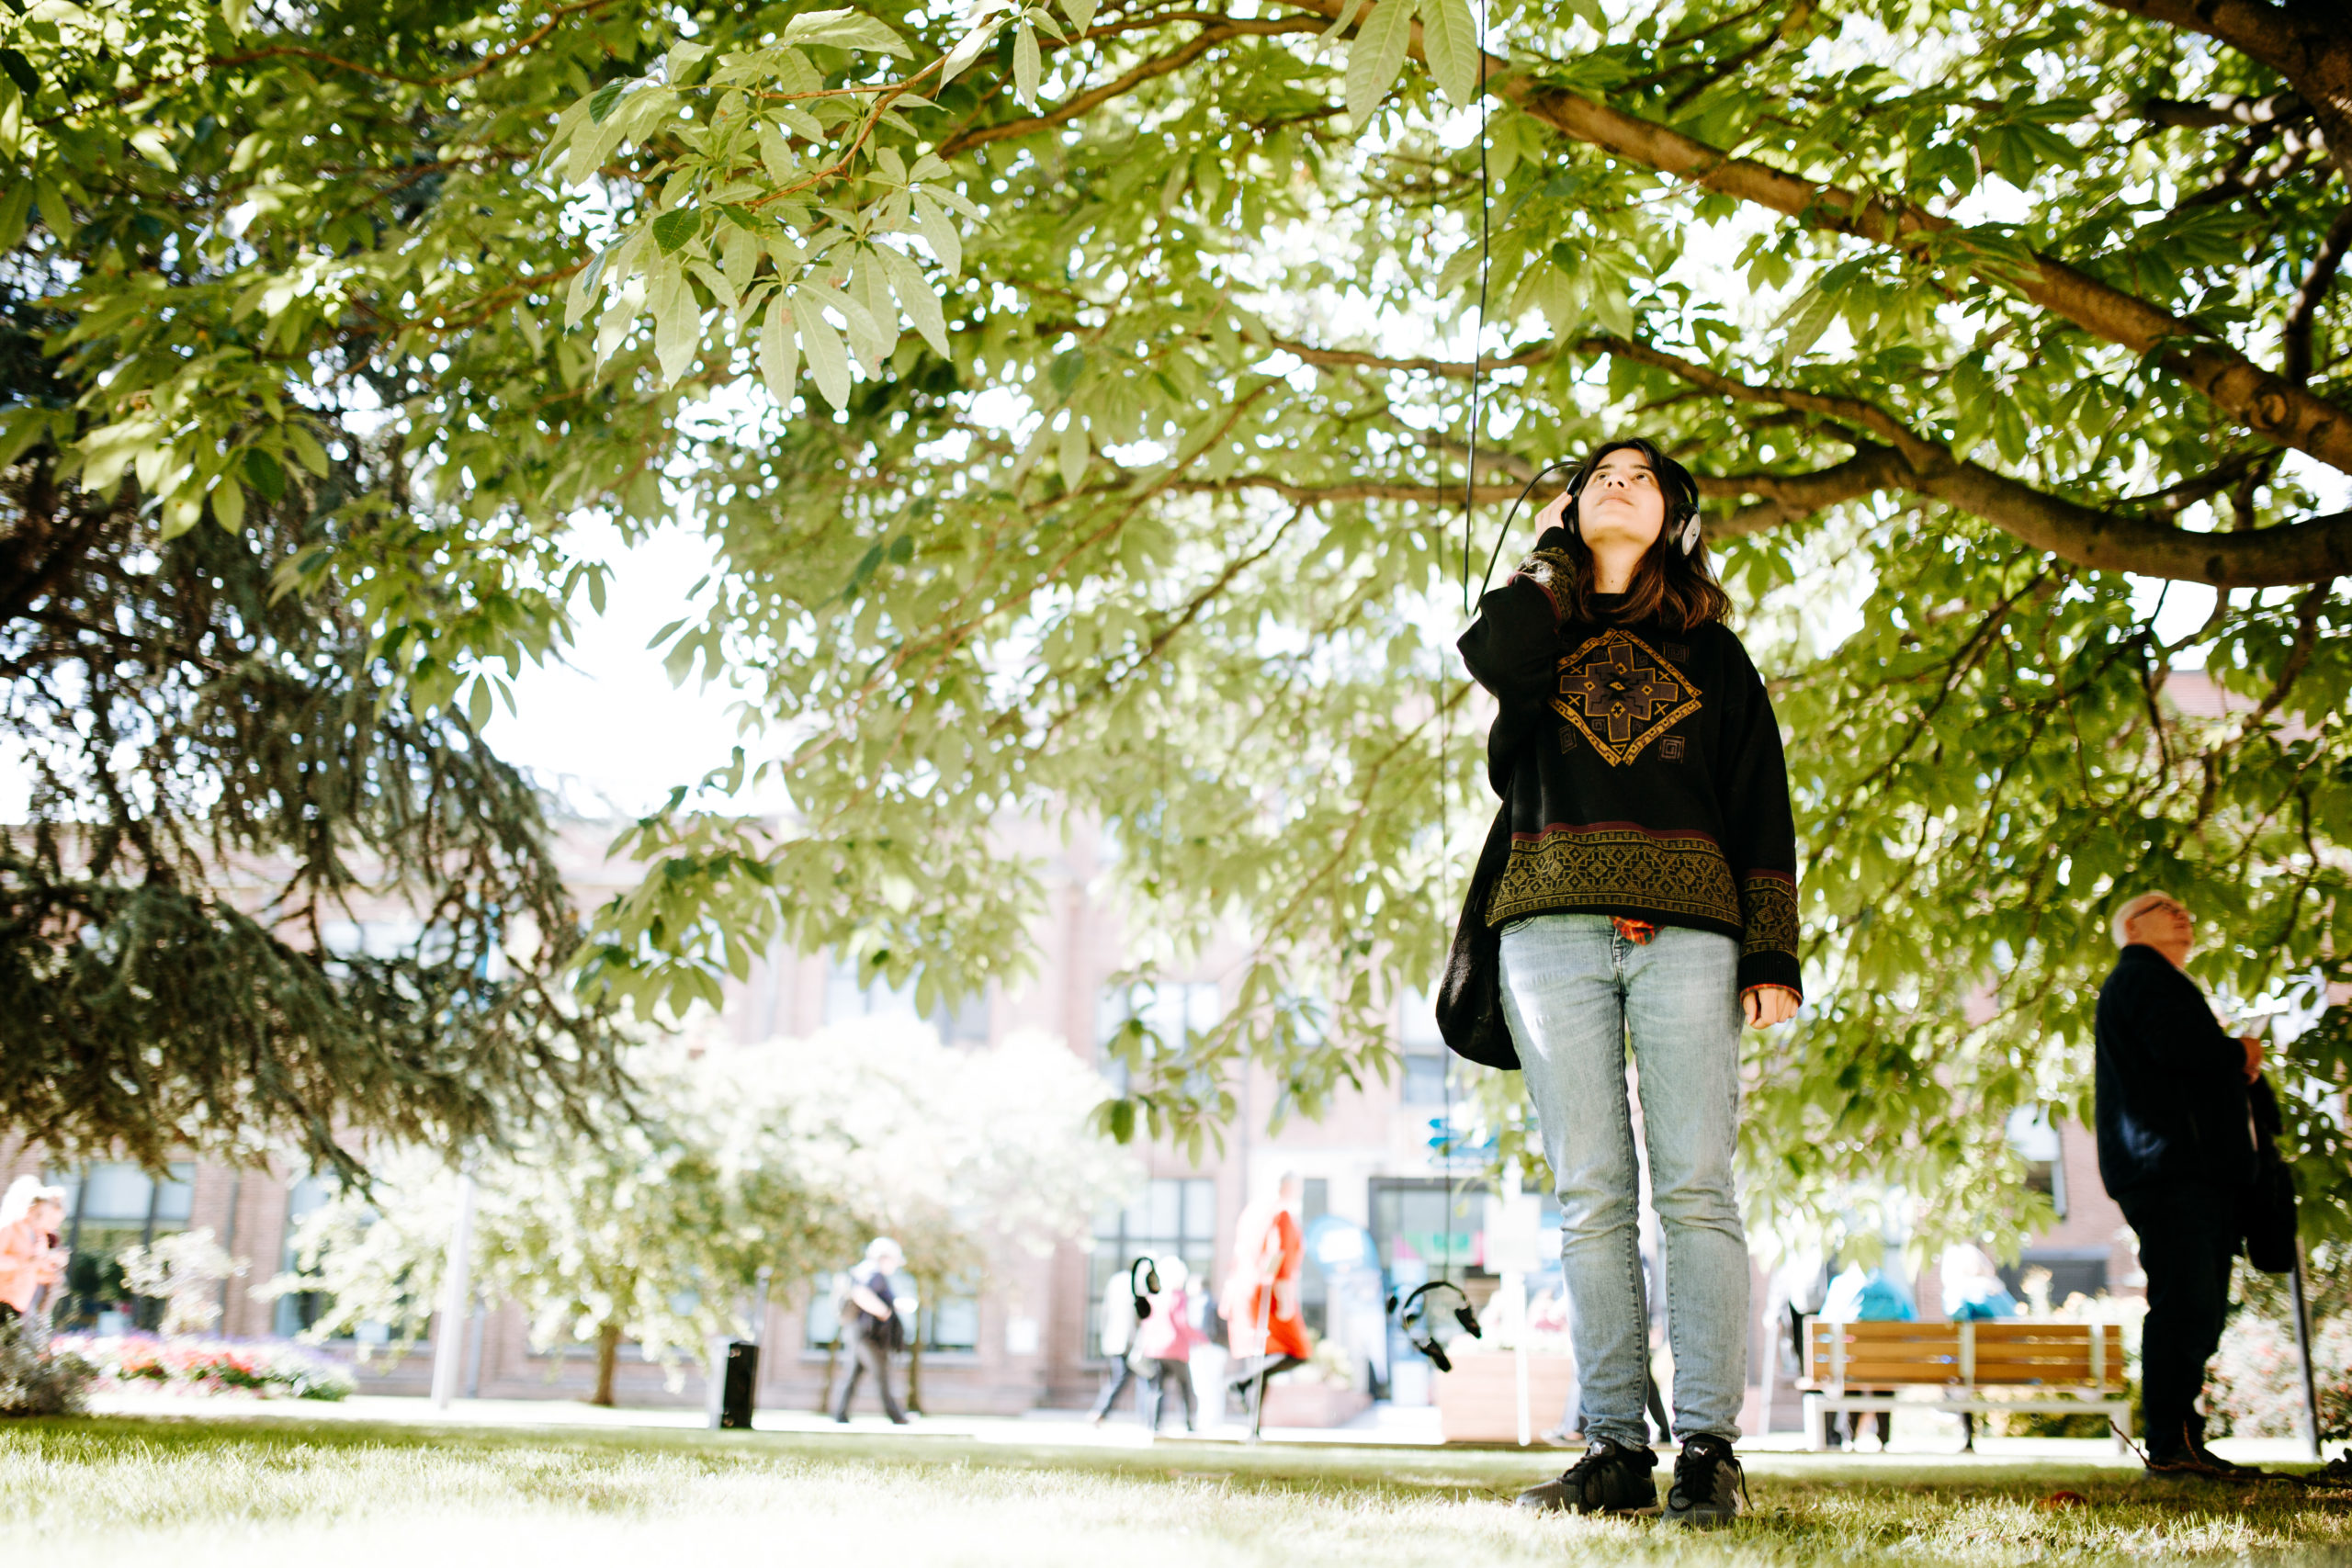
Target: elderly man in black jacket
2176	1150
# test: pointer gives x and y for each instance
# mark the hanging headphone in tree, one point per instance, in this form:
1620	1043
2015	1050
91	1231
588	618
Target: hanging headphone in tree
1146	1291
1415	1314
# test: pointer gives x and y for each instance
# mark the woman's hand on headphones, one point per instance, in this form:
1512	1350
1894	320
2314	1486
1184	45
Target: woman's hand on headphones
1553	510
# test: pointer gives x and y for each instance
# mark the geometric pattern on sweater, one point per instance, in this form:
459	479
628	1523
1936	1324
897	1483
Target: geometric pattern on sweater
1621	693
1616	864
1770	898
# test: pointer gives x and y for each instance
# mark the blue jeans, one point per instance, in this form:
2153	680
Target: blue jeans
1574	991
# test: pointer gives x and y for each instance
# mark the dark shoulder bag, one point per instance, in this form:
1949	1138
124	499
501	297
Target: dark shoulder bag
2267	1210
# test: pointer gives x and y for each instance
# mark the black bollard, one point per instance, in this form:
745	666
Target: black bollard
742	1376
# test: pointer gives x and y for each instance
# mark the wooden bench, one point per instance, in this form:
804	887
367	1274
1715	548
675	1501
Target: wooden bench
2074	1368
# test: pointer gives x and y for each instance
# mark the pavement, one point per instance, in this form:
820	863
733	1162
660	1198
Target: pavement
1384	1425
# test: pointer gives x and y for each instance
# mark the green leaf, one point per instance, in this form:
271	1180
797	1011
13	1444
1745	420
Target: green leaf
677	320
938	232
607	98
678	64
779	353
1450	41
227	500
828	360
845	29
307	450
15	209
1067	368
20	71
1376	57
916	297
973	45
1806	319
54	211
676	228
1026	67
264	474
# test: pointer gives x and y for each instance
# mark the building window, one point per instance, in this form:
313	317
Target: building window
298	1311
965	1022
953	1322
1173	1217
109	1207
2036	1143
1424	1050
1410	1228
2071	1270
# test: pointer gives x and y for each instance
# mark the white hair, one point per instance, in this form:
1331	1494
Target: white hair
2134	908
23	1193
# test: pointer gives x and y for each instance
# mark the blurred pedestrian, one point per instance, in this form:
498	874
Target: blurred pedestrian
2176	1150
1873	1295
1116	1340
1972	1294
1261	1308
31	1259
1164	1344
872	1330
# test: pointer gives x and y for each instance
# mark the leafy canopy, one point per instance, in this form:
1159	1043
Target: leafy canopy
1077	396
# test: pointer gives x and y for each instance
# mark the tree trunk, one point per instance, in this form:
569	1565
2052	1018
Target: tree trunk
832	1367
927	1295
609	1357
914	1366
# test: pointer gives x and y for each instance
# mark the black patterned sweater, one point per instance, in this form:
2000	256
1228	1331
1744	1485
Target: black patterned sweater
1641	773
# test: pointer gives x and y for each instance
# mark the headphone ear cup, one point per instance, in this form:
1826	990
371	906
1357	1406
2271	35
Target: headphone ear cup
1436	1353
1469	1322
1391	1301
1151	1279
1689	539
1143	1309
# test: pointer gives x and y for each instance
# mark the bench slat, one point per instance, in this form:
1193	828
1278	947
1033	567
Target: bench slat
2006	1354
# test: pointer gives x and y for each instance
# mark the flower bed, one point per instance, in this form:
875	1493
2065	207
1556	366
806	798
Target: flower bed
209	1365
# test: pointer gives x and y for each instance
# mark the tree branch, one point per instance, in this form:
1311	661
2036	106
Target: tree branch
2265	403
2224	108
2307	44
2295	338
1158	65
2315	550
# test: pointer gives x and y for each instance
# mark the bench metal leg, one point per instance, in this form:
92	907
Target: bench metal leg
1817	1427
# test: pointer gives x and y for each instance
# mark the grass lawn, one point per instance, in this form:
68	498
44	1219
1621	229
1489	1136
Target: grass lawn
339	1495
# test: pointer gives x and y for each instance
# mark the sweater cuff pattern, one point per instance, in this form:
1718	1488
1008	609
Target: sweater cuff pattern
1768	901
1767	952
1550	570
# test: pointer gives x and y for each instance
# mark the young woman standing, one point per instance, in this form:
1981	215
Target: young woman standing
1639	887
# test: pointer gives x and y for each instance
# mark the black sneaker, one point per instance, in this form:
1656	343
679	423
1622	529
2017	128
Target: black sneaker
1610	1479
1709	1486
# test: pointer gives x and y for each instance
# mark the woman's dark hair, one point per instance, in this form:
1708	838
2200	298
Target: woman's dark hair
1677	590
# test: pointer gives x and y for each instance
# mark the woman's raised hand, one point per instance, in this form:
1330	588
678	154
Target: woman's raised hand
1553	510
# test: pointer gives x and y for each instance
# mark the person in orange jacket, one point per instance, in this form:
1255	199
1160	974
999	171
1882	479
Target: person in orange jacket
29	1216
1264	1328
